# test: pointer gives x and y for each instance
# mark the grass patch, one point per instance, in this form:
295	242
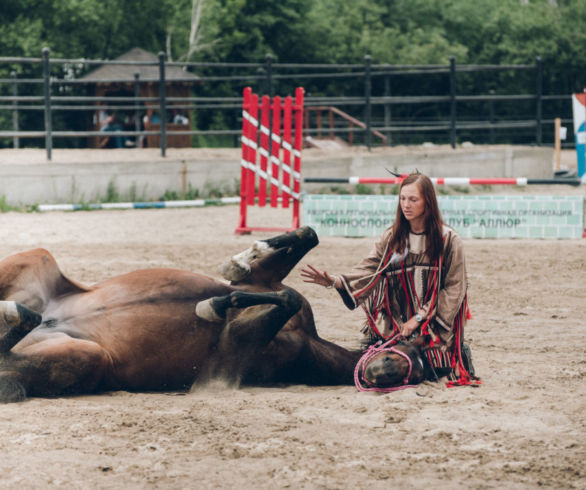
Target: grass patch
446	190
4	206
112	194
363	189
336	189
21	208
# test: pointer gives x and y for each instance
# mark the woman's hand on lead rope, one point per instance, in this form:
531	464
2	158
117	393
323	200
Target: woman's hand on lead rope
409	327
323	278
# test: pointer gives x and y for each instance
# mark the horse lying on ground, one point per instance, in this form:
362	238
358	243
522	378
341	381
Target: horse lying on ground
164	329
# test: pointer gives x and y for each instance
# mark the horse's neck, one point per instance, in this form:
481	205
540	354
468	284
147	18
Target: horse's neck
329	363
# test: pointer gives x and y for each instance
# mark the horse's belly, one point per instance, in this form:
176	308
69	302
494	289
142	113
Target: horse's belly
152	346
172	359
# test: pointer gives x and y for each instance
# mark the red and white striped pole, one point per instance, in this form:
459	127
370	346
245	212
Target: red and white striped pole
265	117
252	139
519	181
275	149
287	150
246	144
298	144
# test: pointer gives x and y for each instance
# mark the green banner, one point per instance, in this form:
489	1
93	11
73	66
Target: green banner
471	216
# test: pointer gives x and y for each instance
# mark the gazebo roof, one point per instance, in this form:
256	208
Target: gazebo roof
125	73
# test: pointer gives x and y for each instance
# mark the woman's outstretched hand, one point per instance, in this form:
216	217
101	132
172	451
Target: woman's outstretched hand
315	276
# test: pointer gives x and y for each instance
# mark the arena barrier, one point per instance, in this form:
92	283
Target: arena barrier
280	131
472	216
519	181
195	203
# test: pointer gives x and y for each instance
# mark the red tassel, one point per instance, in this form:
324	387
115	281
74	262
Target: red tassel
468	312
464	382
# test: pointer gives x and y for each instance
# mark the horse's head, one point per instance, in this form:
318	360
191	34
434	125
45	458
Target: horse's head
269	261
401	365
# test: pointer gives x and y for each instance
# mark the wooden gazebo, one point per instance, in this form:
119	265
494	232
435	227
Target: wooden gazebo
118	80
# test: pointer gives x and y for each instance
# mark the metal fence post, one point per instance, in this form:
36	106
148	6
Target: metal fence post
269	74
453	101
387	107
367	91
137	107
237	121
162	101
15	140
538	100
491	116
47	94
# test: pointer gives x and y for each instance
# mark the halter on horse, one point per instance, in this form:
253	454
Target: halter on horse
375	364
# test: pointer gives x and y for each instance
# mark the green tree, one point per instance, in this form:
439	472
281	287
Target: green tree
246	30
81	28
324	31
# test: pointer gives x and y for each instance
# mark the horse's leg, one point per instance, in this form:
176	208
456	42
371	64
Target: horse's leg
247	333
16	321
258	327
55	365
33	278
215	309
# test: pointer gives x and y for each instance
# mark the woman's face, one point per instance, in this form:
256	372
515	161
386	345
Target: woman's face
412	203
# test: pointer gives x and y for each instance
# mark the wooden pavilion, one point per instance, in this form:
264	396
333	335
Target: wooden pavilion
118	80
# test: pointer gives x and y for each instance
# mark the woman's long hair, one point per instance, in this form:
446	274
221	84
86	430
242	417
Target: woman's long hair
433	220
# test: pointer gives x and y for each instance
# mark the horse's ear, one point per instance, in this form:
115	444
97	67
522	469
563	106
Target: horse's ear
232	270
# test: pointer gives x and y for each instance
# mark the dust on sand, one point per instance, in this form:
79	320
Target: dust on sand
523	428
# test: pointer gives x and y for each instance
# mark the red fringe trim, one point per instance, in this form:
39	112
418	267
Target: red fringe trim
464	378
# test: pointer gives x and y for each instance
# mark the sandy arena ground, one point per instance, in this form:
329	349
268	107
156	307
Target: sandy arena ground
524	428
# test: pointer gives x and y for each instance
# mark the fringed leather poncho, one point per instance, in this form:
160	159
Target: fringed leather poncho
394	287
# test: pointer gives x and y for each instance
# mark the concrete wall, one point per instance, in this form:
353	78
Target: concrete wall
90	182
84	175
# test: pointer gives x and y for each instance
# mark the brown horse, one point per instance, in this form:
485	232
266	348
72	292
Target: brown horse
164	329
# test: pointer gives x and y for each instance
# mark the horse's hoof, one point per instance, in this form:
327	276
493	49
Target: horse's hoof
205	311
9	316
13	314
